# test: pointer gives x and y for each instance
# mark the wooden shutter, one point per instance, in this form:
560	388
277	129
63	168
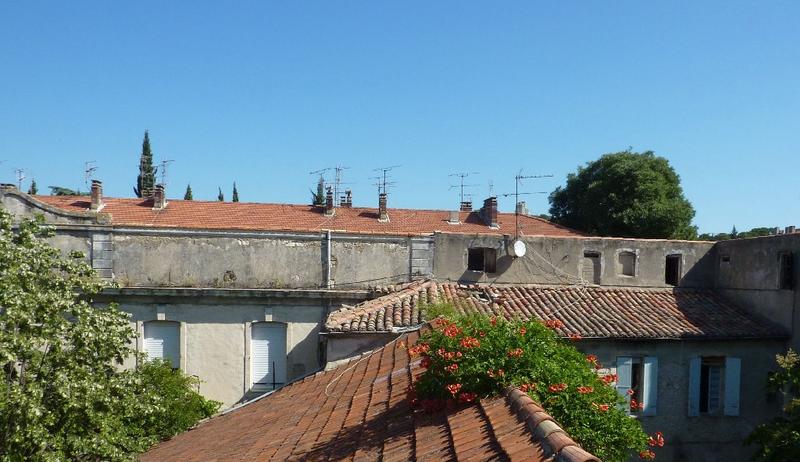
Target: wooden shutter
694	387
624	377
733	368
162	341
268	354
650	385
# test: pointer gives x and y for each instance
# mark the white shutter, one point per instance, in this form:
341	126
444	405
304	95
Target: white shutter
650	385
161	341
268	354
625	378
733	368
694	387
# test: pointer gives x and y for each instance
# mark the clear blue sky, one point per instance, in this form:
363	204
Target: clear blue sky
263	93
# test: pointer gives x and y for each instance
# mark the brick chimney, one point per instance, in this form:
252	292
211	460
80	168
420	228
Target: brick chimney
347	199
466	206
489	212
159	197
522	208
383	212
329	209
97	196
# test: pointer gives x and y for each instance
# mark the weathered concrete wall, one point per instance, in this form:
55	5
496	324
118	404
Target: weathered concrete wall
361	261
747	272
340	348
560	260
706	438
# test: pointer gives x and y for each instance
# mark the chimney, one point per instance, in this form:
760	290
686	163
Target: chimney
383	213
329	210
454	218
97	196
347	199
159	197
8	186
790	229
489	212
466	206
522	208
773	231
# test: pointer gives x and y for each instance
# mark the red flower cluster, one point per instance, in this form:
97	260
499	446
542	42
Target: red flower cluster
584	390
467	397
526	387
522	331
492	373
554	324
493	320
452	368
451	331
515	353
647	455
439	323
592	358
636	406
557	387
601	407
482	334
449	355
575	337
453	388
630	392
470	342
425	362
610	378
420	348
656	440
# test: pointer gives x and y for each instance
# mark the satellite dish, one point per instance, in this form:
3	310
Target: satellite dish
518	248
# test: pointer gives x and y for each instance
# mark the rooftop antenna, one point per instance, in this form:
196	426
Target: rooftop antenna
382	183
517	181
337	183
491	188
164	164
461	185
88	172
20	176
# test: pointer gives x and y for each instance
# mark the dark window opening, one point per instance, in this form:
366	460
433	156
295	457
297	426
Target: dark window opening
482	259
627	263
711	373
672	270
591	267
637	378
787	271
726	259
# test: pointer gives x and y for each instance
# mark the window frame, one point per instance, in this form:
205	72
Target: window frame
646	390
786	270
487	257
620	266
678	271
597	271
177	349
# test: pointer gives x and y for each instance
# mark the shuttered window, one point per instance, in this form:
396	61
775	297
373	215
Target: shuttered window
637	379
714	386
162	341
268	355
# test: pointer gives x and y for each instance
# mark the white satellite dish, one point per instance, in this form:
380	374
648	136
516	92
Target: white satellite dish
518	248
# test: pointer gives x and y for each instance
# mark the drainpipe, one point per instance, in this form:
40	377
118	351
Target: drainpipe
328	278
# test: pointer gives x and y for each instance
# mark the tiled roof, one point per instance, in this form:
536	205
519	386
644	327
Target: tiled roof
592	312
300	218
361	411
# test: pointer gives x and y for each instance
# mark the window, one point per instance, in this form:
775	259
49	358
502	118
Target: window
161	341
786	281
672	269
714	386
637	381
591	267
482	259
626	264
725	259
267	355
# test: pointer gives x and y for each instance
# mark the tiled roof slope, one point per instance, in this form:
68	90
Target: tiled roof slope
361	411
300	218
592	312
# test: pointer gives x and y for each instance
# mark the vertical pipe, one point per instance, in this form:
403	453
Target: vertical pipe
328	278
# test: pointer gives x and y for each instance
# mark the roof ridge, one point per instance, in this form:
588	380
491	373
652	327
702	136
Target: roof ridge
369	306
556	443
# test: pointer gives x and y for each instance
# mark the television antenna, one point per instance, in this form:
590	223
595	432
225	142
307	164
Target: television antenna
89	168
337	183
164	164
382	178
20	176
461	184
518	248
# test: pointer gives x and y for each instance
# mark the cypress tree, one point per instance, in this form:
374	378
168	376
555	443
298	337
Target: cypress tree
147	173
33	189
188	195
220	196
318	198
235	193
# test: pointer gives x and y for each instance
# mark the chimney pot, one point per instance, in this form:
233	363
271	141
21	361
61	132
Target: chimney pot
522	208
159	197
790	229
489	212
454	219
383	212
97	196
466	206
329	209
347	199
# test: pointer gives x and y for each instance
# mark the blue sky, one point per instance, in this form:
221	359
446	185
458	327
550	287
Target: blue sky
263	93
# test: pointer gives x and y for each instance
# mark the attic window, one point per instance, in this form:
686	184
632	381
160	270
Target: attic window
626	264
726	259
786	281
482	259
672	269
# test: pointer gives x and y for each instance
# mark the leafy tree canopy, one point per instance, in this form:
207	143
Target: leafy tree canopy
64	395
188	195
626	194
33	190
755	232
62	191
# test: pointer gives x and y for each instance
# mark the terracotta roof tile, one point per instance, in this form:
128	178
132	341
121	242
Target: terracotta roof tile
593	312
360	411
299	218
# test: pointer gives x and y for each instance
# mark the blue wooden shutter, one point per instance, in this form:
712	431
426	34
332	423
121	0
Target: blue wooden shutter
694	386
733	368
624	378
650	385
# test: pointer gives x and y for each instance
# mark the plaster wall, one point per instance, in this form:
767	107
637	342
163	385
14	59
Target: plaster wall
340	348
560	260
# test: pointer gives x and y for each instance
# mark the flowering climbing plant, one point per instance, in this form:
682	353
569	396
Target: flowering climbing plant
468	358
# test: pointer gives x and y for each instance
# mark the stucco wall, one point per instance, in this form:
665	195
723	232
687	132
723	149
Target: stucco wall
340	348
703	438
560	260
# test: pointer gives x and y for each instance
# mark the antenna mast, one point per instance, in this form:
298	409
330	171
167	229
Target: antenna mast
461	185
89	168
517	181
20	176
382	183
164	164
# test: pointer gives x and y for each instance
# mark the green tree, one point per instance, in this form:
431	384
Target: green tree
146	180
188	195
64	395
734	234
626	194
33	190
220	196
779	440
235	197
318	198
62	191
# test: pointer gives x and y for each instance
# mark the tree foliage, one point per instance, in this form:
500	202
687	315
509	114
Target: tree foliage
755	232
318	198
188	195
62	191
33	190
64	395
625	194
235	195
220	196
779	440
146	180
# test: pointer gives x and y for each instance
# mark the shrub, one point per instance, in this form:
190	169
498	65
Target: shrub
473	357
